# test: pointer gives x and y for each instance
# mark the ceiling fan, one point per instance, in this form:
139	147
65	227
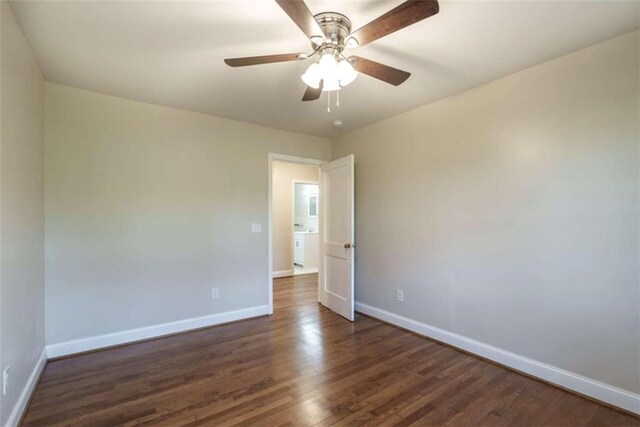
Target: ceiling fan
330	34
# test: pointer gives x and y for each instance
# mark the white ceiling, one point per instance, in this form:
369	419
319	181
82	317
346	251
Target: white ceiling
171	52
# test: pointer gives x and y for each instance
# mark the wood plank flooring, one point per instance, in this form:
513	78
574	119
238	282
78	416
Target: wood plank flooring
302	366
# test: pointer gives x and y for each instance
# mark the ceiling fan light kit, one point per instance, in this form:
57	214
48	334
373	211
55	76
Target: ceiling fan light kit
330	34
335	74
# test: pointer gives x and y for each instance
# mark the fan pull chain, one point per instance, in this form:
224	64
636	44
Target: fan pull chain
338	99
329	101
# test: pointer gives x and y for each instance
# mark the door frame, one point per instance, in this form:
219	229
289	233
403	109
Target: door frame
293	210
289	159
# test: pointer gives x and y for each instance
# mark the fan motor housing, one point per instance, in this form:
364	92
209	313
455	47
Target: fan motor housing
336	28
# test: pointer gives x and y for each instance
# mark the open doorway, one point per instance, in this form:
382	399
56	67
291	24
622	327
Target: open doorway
294	198
333	205
295	218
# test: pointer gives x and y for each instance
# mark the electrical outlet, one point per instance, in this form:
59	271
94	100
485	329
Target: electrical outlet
400	295
256	227
215	293
5	380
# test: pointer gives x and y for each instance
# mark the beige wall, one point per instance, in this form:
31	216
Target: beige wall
509	213
284	174
21	210
148	208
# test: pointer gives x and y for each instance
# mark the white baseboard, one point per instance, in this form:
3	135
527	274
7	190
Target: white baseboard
282	273
27	391
589	387
138	334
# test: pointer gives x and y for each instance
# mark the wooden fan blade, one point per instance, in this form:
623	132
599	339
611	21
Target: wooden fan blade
408	13
301	15
312	94
380	71
266	59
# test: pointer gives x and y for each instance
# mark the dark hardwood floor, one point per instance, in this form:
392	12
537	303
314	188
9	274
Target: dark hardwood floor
303	366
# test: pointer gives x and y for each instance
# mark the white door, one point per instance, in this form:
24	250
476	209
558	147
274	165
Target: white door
336	233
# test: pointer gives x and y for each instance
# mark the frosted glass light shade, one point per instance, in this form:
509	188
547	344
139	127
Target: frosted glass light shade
312	76
346	73
327	66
